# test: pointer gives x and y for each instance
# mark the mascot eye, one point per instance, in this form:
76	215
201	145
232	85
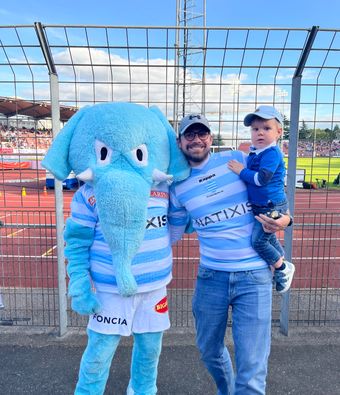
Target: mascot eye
103	153
140	155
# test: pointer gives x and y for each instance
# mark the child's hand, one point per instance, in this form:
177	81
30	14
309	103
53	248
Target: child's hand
235	166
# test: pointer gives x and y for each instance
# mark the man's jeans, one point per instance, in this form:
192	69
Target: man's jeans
249	294
266	244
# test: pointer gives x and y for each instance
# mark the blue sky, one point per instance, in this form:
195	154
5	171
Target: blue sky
229	13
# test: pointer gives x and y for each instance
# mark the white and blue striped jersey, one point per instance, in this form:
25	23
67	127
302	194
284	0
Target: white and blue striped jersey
152	265
216	200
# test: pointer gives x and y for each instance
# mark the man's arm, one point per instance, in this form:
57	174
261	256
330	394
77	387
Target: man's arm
179	219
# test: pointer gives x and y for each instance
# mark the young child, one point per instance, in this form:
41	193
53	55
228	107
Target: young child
264	176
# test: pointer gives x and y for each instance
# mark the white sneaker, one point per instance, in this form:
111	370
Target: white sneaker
283	278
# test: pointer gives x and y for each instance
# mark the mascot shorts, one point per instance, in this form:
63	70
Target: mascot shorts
140	313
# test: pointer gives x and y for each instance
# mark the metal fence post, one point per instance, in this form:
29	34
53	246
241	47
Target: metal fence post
292	155
291	179
58	188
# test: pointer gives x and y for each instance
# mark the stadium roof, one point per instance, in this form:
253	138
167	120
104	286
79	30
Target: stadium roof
37	110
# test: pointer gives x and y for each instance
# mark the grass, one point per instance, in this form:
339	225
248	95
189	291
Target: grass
326	168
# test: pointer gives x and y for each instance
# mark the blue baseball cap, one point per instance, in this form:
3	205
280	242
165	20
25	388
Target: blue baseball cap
265	112
193	119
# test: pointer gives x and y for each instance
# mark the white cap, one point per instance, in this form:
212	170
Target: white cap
265	112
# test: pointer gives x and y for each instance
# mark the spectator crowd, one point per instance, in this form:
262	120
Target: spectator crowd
309	149
23	138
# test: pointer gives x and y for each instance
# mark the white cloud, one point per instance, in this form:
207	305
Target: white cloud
94	75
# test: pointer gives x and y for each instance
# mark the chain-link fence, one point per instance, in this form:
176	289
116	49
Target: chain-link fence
48	72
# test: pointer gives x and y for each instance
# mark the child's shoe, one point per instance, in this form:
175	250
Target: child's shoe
283	277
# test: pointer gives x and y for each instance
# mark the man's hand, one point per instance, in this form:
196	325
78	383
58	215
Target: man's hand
235	166
271	225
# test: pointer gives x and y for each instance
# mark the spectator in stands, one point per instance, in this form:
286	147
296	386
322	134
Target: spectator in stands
264	175
23	138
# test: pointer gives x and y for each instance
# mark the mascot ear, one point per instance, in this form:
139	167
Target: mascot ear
56	158
178	166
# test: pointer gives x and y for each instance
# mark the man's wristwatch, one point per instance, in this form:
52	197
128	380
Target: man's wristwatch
291	221
276	215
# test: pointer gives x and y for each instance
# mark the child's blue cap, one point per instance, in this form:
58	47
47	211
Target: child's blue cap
265	112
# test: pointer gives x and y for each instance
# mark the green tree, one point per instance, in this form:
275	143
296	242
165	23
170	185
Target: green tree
304	132
336	131
321	134
286	128
330	134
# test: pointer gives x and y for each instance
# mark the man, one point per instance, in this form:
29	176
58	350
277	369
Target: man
230	274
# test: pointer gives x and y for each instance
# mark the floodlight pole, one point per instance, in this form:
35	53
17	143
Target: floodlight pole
58	188
186	17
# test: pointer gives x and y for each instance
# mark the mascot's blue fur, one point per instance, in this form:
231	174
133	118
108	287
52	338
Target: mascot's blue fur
104	145
120	149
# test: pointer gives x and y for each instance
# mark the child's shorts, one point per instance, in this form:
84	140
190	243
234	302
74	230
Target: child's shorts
140	313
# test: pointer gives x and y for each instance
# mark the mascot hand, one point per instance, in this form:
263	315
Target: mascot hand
86	304
84	300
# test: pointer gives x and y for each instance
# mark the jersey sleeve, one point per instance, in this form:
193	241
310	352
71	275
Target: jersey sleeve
83	208
178	218
268	165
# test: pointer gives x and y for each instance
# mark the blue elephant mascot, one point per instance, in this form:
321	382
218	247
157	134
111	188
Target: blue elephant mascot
117	236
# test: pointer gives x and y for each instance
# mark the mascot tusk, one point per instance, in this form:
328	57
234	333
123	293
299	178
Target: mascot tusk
159	176
86	175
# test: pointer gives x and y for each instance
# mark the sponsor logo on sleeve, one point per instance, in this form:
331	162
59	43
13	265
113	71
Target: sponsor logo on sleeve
92	200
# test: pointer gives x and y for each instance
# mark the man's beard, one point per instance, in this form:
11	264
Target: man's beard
196	159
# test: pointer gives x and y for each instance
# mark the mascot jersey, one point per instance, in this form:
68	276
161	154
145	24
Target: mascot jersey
152	265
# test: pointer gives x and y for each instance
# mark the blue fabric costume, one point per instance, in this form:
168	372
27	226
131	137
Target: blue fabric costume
121	151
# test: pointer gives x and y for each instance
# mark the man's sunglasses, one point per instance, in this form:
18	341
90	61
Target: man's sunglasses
202	135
